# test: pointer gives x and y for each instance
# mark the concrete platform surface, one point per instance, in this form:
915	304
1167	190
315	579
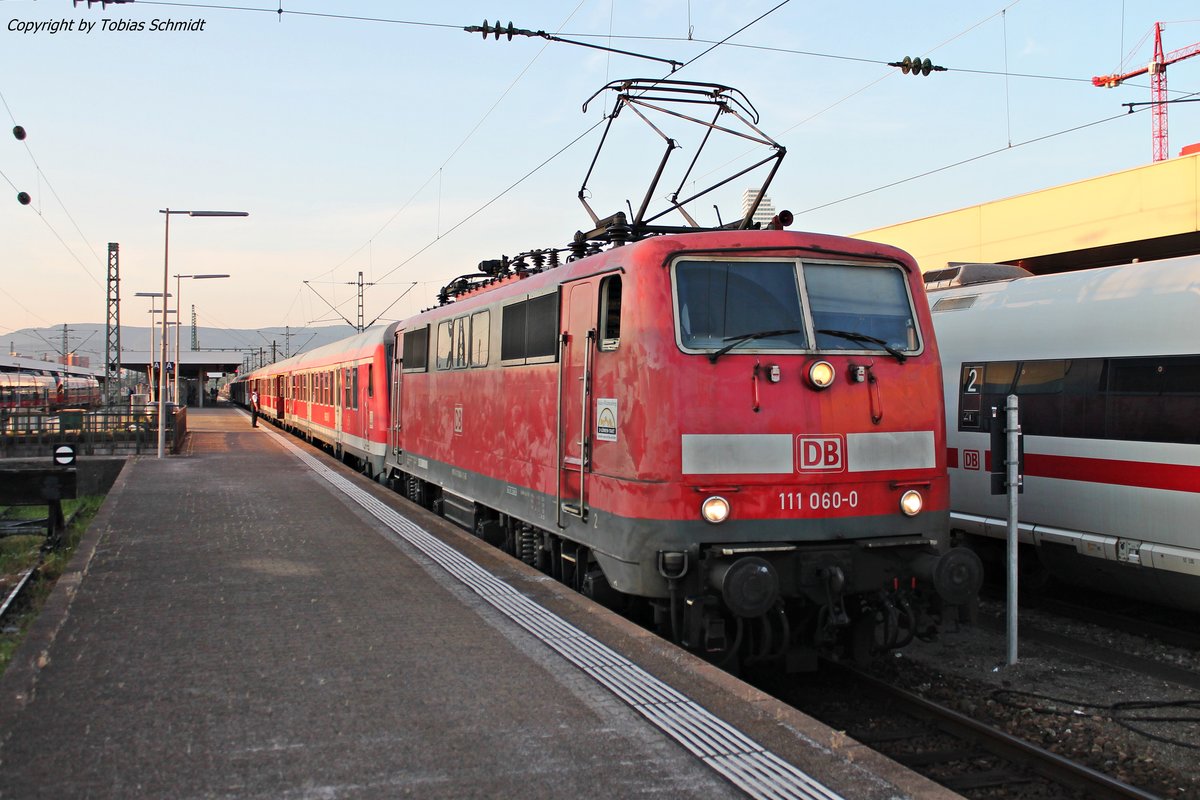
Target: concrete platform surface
235	626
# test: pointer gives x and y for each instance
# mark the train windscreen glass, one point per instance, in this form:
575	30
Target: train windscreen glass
721	301
869	303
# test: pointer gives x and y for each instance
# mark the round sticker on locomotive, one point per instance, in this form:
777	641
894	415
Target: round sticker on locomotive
606	419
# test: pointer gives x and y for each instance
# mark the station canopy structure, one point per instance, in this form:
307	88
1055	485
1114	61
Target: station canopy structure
1141	214
195	365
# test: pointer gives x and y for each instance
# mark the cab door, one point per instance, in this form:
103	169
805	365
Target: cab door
577	338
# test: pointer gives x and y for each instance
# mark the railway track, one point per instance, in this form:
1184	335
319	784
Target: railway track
28	576
958	752
1175	628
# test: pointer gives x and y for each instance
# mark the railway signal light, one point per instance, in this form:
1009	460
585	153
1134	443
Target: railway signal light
916	66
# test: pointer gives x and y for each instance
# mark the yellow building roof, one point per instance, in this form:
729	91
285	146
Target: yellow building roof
1142	213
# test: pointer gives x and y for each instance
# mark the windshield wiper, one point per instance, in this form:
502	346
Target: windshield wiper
863	338
734	341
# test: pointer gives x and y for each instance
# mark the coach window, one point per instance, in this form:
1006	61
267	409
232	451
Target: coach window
541	327
481	329
370	380
529	331
445	345
512	332
460	343
416	350
610	312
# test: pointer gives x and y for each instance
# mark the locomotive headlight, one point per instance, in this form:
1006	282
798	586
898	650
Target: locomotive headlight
715	509
820	374
911	503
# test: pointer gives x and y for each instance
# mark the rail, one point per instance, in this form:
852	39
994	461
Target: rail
1058	769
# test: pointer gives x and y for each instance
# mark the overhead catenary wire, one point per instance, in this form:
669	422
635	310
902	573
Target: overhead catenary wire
691	61
724	42
962	162
438	173
562	150
42	177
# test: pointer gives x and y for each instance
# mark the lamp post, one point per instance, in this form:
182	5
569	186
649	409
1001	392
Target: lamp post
162	375
179	324
153	324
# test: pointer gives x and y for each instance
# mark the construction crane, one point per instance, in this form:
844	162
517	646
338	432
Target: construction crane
1158	86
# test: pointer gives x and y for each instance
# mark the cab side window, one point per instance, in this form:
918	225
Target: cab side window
610	313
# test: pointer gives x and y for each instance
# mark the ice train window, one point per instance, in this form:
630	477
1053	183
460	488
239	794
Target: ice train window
719	301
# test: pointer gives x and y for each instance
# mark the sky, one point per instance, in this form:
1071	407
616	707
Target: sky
380	137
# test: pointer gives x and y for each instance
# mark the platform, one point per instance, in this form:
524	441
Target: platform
251	619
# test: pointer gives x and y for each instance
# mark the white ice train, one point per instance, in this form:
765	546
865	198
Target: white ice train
1106	365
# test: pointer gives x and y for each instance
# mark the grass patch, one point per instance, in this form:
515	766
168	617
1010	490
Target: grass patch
18	553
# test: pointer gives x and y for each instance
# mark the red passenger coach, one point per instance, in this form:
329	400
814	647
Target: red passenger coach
336	395
743	428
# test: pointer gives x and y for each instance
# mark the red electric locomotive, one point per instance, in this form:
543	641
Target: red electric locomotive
742	427
738	431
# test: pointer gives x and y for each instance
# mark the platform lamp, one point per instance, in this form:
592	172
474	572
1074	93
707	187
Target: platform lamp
153	324
179	324
162	375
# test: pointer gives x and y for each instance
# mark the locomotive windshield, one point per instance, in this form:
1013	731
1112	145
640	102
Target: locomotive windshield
722	301
869	302
760	305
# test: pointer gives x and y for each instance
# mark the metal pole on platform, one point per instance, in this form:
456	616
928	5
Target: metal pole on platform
1012	430
178	307
162	375
150	377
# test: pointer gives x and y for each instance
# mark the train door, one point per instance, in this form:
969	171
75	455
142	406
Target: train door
397	381
364	389
279	398
336	401
577	335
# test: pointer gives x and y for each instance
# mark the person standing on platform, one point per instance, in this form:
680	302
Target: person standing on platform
254	409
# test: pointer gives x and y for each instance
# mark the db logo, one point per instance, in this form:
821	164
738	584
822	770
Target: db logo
971	459
820	453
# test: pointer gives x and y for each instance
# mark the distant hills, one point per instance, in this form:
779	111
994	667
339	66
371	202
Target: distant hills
87	339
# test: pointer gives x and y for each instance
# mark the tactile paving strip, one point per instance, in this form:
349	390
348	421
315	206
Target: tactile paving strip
755	770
